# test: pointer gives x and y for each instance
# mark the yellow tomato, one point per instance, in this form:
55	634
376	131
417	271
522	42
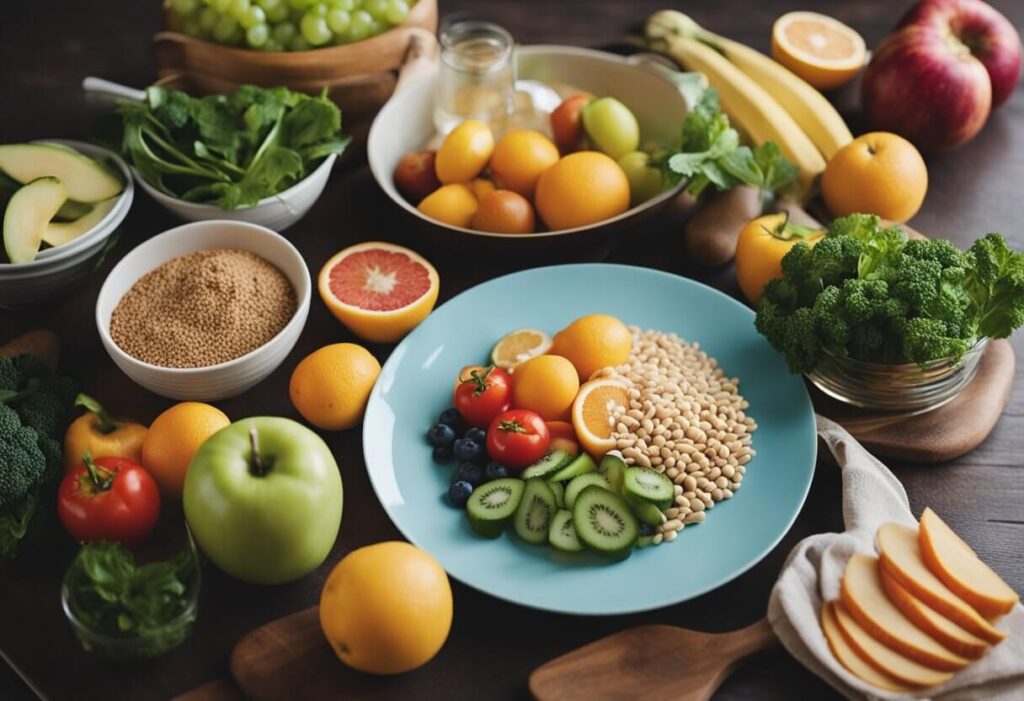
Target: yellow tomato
464	152
762	244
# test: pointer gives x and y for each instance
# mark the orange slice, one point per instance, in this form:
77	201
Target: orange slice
821	50
593	414
519	346
378	290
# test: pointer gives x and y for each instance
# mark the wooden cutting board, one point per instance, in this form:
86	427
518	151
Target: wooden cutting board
940	435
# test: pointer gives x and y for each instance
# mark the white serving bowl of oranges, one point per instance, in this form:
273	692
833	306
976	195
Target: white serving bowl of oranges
556	199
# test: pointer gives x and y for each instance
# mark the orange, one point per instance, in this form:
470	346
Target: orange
592	414
583	188
452	204
519	159
821	50
464	152
877	173
386	608
480	187
593	342
331	386
174	437
518	346
504	212
546	385
762	245
378	290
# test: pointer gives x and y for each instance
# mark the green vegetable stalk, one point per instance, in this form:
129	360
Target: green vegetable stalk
866	292
229	150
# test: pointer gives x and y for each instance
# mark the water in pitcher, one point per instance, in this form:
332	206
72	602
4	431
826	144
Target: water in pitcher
477	76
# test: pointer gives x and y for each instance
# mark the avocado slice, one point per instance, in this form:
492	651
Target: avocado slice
86	179
28	212
59	233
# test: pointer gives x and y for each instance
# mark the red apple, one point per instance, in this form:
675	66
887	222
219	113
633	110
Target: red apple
985	32
567	122
937	78
415	177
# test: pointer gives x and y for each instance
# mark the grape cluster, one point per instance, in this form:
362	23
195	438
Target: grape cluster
286	25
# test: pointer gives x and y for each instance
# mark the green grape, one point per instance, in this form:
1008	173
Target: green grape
208	19
220	5
377	8
253	17
297	43
359	26
278	13
225	29
346	5
256	36
284	32
301	4
238	8
268	5
271	45
319	10
338	21
315	30
184	7
398	10
374	29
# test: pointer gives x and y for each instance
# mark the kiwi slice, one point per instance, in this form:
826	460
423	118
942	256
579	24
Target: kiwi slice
648	485
492	505
548	465
580	483
533	515
580	466
645	510
562	534
559	489
613	466
604	522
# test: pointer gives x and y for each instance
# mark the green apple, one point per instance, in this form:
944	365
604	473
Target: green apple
645	181
611	127
263	499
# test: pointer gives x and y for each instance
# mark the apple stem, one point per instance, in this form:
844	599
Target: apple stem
256	465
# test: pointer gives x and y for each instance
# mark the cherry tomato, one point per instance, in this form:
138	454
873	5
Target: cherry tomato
517	438
563	437
111	499
482	394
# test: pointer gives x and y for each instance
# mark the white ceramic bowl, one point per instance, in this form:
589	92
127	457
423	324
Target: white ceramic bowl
224	379
276	212
55	270
406	123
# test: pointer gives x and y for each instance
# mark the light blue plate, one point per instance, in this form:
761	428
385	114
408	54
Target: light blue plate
415	386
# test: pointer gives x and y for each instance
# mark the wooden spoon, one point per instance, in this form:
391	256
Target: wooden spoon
650	662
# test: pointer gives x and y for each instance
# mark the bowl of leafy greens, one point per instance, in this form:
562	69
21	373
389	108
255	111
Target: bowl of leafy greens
881	321
258	155
121	609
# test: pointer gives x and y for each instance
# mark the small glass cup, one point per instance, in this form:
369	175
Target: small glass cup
477	77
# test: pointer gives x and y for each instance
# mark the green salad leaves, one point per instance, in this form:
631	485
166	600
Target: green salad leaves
710	154
866	292
229	150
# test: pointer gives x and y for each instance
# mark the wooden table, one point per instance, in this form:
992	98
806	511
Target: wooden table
47	46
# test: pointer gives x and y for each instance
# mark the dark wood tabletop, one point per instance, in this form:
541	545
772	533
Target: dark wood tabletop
48	46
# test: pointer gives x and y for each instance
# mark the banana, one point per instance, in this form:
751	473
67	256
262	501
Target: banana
750	106
808	107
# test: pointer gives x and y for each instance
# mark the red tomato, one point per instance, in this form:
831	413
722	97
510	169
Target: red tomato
567	122
563	437
517	438
111	499
482	394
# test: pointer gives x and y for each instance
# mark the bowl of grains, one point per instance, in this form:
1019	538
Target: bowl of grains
206	310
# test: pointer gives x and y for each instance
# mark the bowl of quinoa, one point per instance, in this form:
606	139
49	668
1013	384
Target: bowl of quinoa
206	310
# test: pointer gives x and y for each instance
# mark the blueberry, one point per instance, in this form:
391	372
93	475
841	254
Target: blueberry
468	450
494	471
442	453
468	472
458	493
478	435
441	436
646	529
451	417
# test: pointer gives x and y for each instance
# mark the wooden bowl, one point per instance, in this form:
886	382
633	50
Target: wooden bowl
360	77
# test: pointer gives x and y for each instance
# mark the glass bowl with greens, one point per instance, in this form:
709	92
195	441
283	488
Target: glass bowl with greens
121	609
888	323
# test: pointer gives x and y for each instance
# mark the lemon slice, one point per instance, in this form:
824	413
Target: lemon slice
821	50
519	346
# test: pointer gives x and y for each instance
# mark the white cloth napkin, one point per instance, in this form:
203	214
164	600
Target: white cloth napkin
872	496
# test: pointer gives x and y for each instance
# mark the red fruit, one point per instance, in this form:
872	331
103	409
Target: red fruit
111	499
517	438
415	177
567	122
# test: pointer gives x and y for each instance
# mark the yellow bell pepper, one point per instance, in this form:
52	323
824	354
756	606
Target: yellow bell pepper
96	432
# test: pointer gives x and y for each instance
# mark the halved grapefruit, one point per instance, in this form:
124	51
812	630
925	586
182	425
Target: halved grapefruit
378	290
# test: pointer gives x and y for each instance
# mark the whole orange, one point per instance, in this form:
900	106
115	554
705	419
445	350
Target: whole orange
452	204
464	152
519	159
331	386
593	342
546	385
504	212
480	187
386	608
583	188
174	437
877	173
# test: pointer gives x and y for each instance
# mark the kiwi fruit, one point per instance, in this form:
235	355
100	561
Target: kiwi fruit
492	505
578	484
559	489
648	485
548	465
613	466
562	534
604	522
533	515
580	466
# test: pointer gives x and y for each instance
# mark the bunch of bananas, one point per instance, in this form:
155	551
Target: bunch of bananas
762	98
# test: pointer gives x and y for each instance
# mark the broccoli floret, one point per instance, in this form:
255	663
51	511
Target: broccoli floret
926	339
995	285
23	463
